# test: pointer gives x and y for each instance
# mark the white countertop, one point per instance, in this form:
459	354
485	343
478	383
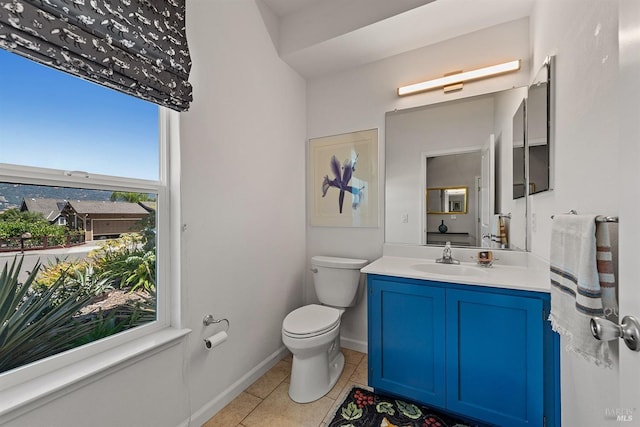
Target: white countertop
530	275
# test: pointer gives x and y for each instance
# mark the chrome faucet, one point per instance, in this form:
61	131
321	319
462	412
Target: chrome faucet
446	256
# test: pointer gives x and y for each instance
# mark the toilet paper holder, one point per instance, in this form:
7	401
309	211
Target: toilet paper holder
210	320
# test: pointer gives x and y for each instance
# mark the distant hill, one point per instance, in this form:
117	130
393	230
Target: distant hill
11	195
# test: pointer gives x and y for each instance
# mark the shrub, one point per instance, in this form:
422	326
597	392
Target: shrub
124	317
38	320
32	325
77	277
118	263
125	263
14	223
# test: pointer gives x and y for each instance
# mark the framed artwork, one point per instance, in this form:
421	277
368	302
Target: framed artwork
343	176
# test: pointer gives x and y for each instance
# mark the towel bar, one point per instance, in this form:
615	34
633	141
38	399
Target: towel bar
602	218
599	218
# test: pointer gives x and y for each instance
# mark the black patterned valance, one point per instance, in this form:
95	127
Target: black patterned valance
135	46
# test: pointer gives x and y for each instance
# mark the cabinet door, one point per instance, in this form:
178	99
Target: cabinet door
495	357
407	340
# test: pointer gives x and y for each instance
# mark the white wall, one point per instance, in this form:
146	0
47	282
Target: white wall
148	393
583	34
243	192
243	198
358	99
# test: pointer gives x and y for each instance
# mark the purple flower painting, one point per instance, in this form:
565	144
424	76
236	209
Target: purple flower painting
343	175
332	175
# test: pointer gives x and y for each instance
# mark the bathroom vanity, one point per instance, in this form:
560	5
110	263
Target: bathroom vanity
471	340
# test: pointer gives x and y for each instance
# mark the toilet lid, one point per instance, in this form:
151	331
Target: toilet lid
311	320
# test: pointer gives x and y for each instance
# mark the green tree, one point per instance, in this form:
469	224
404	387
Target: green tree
14	215
148	224
14	223
122	196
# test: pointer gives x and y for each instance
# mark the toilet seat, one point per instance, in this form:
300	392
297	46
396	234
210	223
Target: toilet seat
310	321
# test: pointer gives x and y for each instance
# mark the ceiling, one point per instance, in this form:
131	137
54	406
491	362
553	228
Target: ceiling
318	37
284	7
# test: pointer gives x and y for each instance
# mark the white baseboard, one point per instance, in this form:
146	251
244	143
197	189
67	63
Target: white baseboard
352	344
210	408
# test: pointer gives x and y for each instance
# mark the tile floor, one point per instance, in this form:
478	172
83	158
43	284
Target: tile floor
266	402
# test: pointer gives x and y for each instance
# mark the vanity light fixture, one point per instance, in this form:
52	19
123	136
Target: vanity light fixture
458	78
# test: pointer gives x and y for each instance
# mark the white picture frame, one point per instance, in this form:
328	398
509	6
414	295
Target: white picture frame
341	195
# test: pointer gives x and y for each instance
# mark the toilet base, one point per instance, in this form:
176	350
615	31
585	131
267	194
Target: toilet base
313	377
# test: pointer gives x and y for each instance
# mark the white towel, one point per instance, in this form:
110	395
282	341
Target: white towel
575	286
502	238
494	241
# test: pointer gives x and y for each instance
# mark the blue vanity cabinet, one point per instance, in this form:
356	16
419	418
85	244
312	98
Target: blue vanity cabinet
484	353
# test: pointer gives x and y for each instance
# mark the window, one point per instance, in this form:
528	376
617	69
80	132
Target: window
84	197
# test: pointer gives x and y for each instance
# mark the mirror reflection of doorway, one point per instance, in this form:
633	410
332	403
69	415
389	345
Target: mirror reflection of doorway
450	198
447	200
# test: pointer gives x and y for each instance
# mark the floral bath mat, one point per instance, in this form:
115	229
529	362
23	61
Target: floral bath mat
363	408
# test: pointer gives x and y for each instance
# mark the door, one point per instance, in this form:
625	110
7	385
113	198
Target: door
115	226
406	339
503	350
629	227
487	192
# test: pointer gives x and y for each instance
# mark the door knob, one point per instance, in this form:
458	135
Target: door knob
629	330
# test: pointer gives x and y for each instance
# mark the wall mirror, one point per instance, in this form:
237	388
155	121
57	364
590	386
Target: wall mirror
444	145
519	177
447	200
539	144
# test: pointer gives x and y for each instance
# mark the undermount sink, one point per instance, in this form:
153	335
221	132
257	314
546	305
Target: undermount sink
449	269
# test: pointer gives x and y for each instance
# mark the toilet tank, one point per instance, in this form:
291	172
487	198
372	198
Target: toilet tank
336	280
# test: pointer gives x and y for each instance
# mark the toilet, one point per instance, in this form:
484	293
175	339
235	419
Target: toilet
312	332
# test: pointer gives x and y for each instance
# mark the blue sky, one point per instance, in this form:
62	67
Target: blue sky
51	119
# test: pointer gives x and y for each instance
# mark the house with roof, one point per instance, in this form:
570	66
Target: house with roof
98	218
102	219
50	209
